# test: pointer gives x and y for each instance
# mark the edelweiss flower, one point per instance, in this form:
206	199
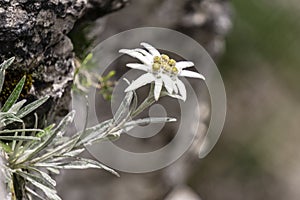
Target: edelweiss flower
160	69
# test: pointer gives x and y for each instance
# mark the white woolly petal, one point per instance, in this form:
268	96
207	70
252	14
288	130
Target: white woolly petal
145	53
168	82
137	55
191	74
151	49
184	64
141	81
138	66
157	88
176	96
182	89
175	87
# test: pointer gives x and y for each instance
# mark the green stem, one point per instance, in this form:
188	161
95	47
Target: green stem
147	102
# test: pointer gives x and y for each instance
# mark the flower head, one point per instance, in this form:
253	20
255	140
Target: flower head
161	69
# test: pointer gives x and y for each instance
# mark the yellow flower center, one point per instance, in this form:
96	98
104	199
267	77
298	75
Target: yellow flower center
157	59
165	63
156	67
174	70
165	58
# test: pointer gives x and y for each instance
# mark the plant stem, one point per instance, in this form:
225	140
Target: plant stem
147	102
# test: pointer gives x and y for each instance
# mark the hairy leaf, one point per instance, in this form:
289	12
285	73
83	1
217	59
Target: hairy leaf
31	107
3	67
14	95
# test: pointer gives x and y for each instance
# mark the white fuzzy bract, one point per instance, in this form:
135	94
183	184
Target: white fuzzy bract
161	70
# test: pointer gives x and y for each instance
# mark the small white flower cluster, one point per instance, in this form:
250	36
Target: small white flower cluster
160	69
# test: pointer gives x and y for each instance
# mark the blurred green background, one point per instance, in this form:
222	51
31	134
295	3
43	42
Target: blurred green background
258	154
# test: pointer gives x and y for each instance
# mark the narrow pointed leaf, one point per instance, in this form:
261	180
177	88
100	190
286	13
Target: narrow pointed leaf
141	122
14	95
34	193
3	67
53	133
93	132
47	177
42	184
7	63
17	106
20	130
23	138
123	110
31	107
8	118
39	179
58	151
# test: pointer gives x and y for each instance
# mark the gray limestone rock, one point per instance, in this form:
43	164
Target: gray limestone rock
35	33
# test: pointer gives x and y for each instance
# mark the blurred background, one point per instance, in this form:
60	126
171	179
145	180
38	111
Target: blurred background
256	46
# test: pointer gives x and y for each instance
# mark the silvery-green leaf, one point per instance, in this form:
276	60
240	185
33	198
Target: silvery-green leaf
142	122
44	175
134	99
39	179
92	132
123	110
100	165
3	67
77	163
60	140
42	184
134	102
66	121
112	136
60	158
23	138
31	107
7	118
14	142
16	107
34	193
74	152
53	170
57	151
33	144
52	134
20	130
14	95
7	63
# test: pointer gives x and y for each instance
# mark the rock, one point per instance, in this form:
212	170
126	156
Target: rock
35	33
